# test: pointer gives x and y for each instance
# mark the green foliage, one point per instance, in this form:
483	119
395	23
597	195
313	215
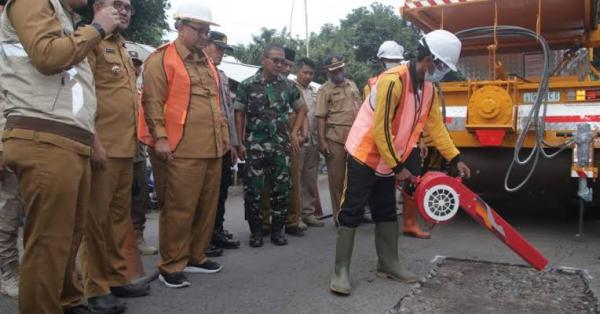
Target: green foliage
148	23
357	38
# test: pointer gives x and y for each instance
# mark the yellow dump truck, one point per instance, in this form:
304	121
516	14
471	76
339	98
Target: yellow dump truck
529	85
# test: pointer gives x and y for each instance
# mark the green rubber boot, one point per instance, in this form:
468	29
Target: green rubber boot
388	264
340	279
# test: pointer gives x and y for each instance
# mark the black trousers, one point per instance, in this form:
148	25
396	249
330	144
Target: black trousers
226	182
139	196
362	185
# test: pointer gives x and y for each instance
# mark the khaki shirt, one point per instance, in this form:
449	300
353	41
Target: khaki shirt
51	51
42	36
205	126
310	98
117	97
338	104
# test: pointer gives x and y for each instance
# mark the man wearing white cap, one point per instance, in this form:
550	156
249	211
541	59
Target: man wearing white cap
402	104
391	55
189	137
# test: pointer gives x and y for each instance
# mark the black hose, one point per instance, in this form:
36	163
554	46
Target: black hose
535	121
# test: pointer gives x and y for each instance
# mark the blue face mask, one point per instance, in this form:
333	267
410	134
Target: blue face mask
437	75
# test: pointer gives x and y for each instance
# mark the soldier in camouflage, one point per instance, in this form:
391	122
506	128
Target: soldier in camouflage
262	105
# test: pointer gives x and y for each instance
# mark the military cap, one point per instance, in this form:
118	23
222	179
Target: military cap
334	61
290	54
220	40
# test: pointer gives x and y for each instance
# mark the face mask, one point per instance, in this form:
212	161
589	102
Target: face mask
389	65
437	75
338	78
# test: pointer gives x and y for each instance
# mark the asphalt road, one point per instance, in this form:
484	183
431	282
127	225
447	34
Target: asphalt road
294	278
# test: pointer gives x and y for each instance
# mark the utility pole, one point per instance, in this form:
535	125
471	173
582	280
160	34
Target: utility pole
306	27
291	19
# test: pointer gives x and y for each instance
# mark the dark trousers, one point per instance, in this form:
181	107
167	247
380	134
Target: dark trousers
362	186
139	196
226	182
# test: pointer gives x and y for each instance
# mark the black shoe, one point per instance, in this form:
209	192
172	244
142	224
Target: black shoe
80	309
174	280
208	267
294	231
256	240
277	236
106	304
213	251
227	234
220	240
131	290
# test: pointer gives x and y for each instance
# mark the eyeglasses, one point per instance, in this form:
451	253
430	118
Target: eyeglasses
440	65
200	30
120	6
277	61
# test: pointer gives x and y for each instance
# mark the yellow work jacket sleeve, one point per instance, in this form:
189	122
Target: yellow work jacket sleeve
389	92
436	129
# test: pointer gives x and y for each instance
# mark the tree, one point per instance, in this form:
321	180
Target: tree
148	23
357	38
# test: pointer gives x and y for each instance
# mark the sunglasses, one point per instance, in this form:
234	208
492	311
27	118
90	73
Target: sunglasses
120	6
277	61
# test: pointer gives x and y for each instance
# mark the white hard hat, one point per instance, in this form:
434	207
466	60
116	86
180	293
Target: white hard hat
444	46
390	50
194	11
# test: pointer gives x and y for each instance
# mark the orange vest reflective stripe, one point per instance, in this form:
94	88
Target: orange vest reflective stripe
178	98
361	141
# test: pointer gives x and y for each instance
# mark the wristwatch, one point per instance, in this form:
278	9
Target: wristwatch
100	29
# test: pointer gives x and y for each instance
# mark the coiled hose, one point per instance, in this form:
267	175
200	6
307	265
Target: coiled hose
536	120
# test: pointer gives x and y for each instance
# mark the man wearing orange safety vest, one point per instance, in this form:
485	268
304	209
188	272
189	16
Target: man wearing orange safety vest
189	136
380	145
390	55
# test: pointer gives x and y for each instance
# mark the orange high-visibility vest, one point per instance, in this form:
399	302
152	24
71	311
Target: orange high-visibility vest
361	140
178	98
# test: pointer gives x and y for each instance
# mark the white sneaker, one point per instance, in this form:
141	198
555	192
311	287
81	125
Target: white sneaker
9	281
302	225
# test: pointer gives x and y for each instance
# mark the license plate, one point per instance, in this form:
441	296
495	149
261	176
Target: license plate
530	98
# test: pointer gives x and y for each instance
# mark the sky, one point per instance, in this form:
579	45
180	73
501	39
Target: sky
240	19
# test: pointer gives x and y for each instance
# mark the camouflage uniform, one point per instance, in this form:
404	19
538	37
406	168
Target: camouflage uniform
267	105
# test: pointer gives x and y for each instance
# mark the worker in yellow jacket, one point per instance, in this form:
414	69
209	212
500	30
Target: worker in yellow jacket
380	147
390	55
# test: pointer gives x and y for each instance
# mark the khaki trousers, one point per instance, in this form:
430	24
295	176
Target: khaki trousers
309	175
103	260
188	193
336	172
54	183
295	210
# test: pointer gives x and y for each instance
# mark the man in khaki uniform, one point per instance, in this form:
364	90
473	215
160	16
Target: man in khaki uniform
186	157
309	152
115	145
338	101
50	107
